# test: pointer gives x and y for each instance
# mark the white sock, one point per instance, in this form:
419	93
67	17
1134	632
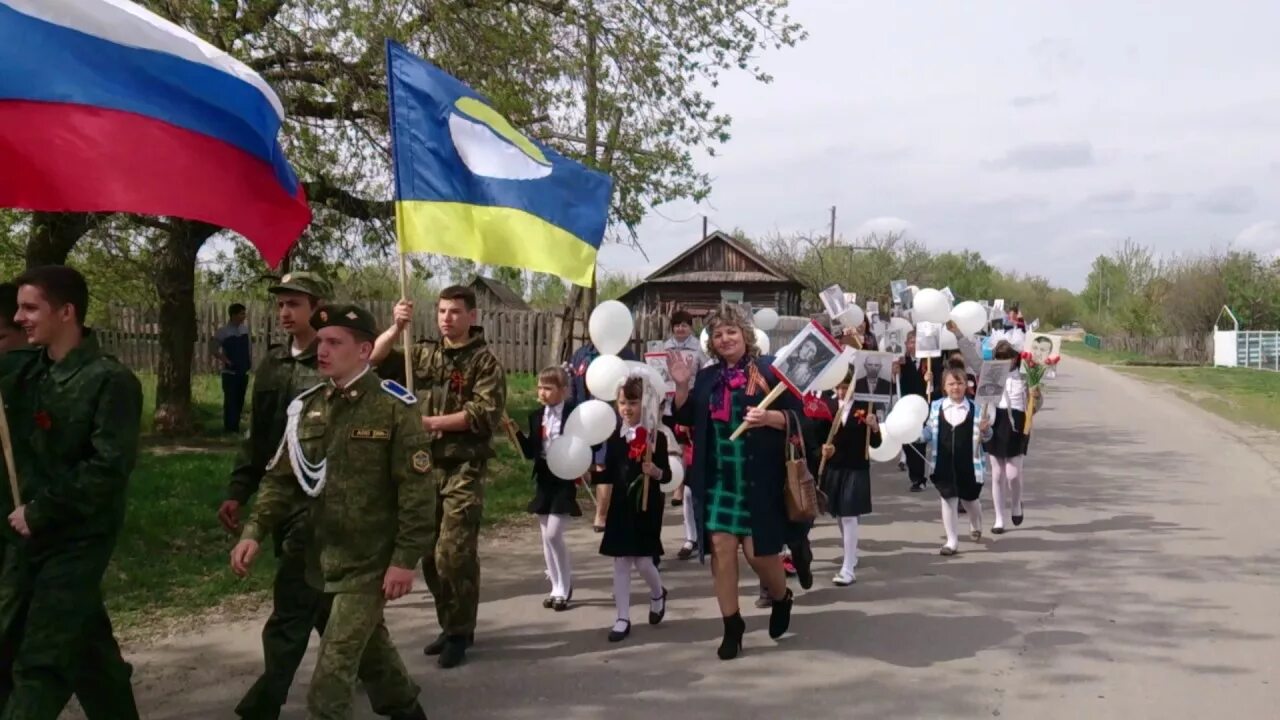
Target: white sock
556	525
1014	471
649	572
690	526
849	531
950	519
998	488
622	590
553	573
974	510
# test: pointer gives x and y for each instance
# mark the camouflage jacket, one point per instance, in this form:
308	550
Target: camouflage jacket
75	427
276	382
467	378
377	506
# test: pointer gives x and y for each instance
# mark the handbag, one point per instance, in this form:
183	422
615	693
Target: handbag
801	490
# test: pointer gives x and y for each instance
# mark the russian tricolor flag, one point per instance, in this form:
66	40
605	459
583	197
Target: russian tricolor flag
105	106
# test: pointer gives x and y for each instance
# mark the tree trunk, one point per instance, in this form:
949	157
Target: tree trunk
53	235
175	278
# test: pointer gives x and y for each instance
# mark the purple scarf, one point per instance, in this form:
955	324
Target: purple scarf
727	380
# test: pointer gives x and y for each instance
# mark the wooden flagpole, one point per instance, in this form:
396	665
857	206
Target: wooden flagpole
836	423
9	463
407	337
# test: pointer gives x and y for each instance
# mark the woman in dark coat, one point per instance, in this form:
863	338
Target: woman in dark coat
737	485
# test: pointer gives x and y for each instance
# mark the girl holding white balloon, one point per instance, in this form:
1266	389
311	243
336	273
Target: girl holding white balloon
555	500
633	531
955	432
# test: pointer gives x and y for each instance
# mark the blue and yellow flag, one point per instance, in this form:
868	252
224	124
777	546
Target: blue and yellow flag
470	185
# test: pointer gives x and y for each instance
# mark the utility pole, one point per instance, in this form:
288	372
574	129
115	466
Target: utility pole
833	226
704	229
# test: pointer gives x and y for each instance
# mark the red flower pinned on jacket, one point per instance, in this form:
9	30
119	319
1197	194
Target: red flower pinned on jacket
455	381
816	408
860	416
43	421
638	444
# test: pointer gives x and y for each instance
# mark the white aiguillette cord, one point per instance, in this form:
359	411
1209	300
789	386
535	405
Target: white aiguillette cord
311	476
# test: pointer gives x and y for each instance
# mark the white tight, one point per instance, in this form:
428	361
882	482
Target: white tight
690	523
556	553
1006	484
951	518
849	531
622	582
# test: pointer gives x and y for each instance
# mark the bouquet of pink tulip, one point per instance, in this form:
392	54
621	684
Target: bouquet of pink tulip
1035	378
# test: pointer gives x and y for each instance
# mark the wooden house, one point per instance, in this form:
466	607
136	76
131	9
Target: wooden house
492	295
718	269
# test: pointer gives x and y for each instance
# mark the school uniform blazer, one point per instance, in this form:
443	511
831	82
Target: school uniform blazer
765	454
531	444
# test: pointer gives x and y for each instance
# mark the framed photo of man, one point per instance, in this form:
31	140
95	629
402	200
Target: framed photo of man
802	361
928	340
991	381
658	361
873	378
1042	346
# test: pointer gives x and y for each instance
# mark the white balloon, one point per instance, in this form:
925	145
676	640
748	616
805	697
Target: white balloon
592	421
931	305
906	421
604	375
888	449
949	340
610	327
677	474
766	319
852	316
569	457
970	317
832	375
901	325
762	341
706	342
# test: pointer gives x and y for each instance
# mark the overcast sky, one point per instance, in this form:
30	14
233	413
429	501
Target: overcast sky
1040	134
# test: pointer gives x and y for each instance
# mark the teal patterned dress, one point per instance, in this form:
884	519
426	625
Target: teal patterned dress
727	492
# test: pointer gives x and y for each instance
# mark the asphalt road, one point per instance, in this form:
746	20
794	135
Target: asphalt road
1142	585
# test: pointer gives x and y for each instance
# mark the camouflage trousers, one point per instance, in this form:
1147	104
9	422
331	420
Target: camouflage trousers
452	571
356	644
57	639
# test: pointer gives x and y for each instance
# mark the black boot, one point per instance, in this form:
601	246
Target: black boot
454	651
417	713
435	647
780	616
731	645
802	558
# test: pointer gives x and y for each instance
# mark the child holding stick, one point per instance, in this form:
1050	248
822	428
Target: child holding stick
954	432
846	475
1008	444
635	465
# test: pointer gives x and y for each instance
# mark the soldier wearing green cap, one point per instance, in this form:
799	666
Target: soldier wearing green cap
356	458
463	392
279	378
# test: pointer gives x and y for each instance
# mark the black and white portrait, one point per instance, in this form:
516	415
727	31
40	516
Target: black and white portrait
834	302
1042	347
805	357
928	340
658	361
873	381
991	381
900	291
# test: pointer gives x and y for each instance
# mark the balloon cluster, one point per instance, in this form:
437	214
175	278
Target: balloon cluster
904	425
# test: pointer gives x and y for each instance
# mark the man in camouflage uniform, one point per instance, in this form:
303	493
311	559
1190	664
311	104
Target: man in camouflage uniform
463	397
74	413
297	606
356	458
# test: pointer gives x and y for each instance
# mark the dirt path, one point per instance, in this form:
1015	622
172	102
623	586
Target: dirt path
1142	585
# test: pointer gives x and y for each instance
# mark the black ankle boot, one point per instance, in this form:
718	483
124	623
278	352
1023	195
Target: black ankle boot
417	713
731	645
780	617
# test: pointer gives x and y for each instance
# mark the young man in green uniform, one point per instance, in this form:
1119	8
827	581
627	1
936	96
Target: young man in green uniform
356	457
74	415
463	396
297	606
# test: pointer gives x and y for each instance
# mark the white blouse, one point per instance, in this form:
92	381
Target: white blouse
1015	393
552	424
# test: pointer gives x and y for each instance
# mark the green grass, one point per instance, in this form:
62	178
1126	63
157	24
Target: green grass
1237	394
206	397
172	560
1102	357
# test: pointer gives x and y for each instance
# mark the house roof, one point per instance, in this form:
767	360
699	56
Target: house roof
768	268
717	276
506	295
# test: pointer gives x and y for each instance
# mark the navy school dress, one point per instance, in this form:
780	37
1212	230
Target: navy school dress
630	531
763	452
847	478
552	496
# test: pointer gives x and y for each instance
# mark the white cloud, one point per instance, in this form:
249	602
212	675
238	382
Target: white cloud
1262	237
882	226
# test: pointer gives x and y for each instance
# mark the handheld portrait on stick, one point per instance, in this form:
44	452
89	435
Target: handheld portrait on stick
900	291
991	381
658	361
873	381
928	340
1043	346
800	365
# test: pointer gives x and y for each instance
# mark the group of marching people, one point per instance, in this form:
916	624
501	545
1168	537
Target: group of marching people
732	501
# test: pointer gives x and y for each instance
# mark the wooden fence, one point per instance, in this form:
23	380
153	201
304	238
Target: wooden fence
522	339
1196	349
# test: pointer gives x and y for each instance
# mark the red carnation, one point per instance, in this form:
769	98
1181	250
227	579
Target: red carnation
43	421
636	448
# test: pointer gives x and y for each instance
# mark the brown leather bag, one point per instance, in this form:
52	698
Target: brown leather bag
801	491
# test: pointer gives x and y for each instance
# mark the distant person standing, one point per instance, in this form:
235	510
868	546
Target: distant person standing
684	341
234	350
12	336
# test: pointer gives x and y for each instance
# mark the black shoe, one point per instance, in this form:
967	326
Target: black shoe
560	604
548	602
454	652
687	551
917	487
902	467
656	617
731	645
437	645
615	636
417	713
997	531
675	502
780	616
802	558
1017	519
